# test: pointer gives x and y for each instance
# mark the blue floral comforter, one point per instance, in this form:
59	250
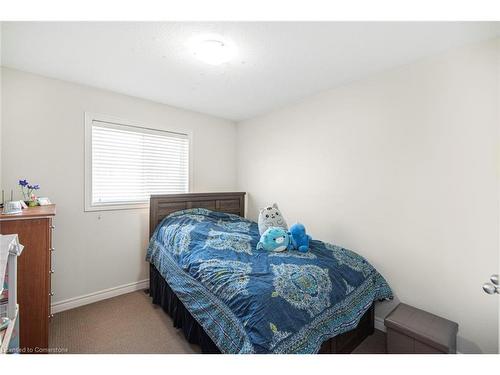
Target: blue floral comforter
253	301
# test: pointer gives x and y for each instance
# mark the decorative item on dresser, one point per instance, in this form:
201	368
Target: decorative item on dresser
34	228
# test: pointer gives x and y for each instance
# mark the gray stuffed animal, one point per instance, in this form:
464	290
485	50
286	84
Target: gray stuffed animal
271	217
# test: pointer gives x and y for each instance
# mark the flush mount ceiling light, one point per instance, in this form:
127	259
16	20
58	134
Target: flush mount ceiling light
213	49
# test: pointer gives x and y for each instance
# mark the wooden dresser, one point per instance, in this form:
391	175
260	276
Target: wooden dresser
34	228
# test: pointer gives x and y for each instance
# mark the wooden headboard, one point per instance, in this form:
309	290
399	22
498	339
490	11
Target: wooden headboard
163	205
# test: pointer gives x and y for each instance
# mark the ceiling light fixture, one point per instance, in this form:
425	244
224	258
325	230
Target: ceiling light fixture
213	50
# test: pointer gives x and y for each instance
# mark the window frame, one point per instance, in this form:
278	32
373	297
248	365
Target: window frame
120	122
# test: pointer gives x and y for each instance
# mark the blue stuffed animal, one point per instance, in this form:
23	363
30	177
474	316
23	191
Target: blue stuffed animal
274	239
299	238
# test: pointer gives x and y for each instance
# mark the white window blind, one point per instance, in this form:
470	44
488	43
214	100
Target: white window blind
130	163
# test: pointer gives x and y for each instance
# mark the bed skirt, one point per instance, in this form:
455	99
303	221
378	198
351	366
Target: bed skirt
165	297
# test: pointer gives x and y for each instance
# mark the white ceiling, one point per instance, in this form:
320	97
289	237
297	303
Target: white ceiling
277	63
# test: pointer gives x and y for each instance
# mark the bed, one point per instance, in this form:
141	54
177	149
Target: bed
229	297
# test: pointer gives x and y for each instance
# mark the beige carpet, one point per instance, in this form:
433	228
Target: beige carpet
129	323
132	324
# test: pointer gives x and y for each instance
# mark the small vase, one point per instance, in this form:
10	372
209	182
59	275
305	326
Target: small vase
32	203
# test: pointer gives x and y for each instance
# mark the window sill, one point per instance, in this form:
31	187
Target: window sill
113	207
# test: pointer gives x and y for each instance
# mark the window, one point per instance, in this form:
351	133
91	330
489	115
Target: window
126	163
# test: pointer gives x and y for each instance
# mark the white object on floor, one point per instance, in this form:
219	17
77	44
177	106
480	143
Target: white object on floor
10	249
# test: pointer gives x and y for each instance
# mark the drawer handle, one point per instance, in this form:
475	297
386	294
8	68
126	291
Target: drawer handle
51	316
52	249
52	226
51	271
51	294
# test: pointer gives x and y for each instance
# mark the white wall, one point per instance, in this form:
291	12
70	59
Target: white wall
403	168
43	141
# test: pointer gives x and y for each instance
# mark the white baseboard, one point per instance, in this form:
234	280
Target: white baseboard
379	323
86	299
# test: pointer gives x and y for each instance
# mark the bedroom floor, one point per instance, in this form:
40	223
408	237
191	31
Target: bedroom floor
130	323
